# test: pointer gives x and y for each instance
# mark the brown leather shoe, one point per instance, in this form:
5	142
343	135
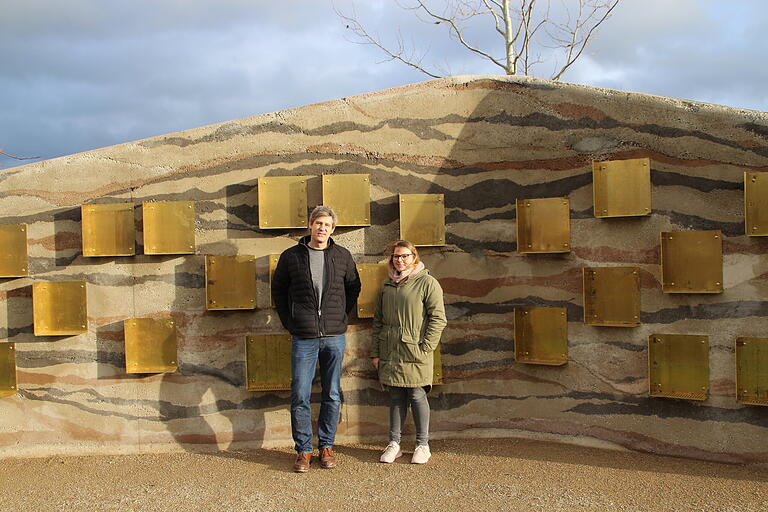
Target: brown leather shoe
327	458
302	462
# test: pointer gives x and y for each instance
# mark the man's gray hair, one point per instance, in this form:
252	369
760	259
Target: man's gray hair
323	211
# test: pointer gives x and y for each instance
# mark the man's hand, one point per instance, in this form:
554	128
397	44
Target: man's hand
376	362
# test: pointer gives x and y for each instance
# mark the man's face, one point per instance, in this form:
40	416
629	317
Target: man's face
321	229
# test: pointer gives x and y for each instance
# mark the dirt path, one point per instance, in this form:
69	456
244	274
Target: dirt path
483	475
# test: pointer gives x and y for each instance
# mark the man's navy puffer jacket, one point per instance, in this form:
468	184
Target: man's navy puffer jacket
294	294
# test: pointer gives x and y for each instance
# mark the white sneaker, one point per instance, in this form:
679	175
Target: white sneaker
421	455
391	452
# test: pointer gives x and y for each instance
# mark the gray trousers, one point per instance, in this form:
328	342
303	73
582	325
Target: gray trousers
399	399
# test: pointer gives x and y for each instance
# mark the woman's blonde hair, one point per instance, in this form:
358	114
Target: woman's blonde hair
390	250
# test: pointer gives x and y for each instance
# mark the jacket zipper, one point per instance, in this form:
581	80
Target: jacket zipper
317	301
327	280
326	285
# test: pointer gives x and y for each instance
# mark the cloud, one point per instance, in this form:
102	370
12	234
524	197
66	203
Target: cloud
704	51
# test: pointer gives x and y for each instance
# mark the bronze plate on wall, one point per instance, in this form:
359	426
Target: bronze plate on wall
108	230
230	282
268	362
437	371
350	197
283	202
678	366
13	250
422	219
60	308
169	227
541	336
756	203
372	275
7	369
692	262
752	371
612	296
543	225
150	345
622	188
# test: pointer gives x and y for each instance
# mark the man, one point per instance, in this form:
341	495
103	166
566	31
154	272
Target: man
314	289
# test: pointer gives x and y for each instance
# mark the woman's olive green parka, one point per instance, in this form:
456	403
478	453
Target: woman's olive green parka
407	325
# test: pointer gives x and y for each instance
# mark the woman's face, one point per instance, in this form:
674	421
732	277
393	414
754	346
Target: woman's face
402	258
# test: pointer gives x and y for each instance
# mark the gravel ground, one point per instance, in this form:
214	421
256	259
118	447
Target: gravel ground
481	474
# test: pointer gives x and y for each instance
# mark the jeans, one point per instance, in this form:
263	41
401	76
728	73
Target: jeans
305	354
399	399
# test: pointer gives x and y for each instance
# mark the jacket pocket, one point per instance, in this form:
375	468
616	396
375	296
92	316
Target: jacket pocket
410	351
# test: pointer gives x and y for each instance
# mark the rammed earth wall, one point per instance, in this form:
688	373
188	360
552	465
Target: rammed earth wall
482	142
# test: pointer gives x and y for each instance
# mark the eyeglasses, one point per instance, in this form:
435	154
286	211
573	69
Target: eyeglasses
401	256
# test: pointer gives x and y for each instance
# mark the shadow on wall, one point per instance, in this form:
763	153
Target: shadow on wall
499	155
110	352
479	216
67	236
242	210
505	151
19	325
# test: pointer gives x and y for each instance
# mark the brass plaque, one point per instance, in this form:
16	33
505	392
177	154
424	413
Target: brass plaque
268	362
169	227
678	366
752	371
692	262
612	296
273	259
422	219
108	230
350	197
283	202
150	345
756	203
541	336
230	282
7	369
372	275
544	225
437	372
622	188
59	308
13	250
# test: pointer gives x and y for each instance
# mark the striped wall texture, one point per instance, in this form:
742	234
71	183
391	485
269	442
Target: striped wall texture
482	142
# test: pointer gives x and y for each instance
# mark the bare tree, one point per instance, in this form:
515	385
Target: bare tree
525	28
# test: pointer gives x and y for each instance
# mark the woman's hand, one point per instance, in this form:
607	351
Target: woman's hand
376	362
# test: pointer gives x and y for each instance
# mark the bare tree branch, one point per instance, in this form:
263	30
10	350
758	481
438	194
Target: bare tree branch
458	33
399	54
609	6
18	157
498	21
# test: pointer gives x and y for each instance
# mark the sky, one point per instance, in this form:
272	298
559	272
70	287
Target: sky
77	75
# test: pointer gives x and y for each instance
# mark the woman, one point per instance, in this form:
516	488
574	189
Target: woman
409	319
